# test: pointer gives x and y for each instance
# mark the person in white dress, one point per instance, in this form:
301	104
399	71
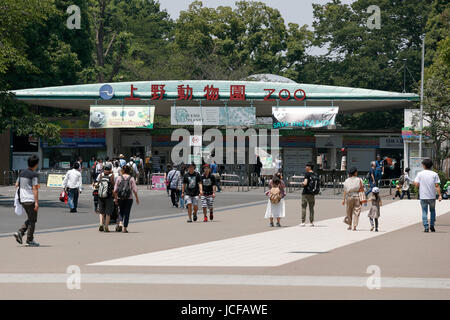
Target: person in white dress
276	210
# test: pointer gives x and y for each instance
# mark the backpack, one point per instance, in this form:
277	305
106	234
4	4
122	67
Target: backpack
104	187
313	186
401	180
124	189
275	195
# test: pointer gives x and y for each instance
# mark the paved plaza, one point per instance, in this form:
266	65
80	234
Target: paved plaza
236	256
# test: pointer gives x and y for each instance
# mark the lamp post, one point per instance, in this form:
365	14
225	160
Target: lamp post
421	97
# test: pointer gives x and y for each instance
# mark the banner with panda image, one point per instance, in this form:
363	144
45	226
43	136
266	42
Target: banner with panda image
308	117
121	117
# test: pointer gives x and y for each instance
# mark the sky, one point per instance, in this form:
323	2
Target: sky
297	11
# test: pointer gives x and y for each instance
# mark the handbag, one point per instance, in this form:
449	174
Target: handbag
63	196
361	193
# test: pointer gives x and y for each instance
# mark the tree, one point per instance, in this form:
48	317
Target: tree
370	58
223	43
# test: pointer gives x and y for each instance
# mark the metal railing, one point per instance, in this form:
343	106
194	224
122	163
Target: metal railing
232	179
294	182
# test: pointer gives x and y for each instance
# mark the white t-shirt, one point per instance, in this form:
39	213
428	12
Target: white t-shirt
427	180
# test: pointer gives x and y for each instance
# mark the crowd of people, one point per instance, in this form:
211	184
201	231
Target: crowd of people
115	189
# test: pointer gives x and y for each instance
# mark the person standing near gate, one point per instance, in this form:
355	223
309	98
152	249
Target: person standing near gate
310	189
428	183
379	169
28	184
73	185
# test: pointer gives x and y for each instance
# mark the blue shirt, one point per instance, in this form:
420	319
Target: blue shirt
122	162
379	165
213	167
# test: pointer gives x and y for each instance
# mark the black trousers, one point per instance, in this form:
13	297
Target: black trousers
125	209
30	224
174	197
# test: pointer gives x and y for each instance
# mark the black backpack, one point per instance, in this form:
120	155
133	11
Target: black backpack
313	186
124	189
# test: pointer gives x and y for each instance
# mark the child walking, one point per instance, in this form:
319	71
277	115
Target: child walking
275	205
374	212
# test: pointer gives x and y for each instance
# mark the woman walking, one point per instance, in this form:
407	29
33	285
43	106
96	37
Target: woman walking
275	204
352	188
124	188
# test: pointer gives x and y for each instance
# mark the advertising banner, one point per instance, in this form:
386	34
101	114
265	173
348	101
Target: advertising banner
158	183
121	117
309	117
213	116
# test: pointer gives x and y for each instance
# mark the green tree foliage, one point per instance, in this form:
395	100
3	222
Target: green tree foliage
131	39
436	107
223	43
369	58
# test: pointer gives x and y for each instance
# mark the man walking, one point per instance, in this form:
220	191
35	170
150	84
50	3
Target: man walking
428	183
28	184
192	187
209	193
105	196
172	182
308	196
73	184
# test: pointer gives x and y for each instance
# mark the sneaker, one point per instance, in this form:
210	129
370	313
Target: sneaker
371	229
278	224
205	219
271	224
302	224
118	228
311	224
376	230
32	244
211	216
105	229
426	230
189	220
432	229
195	217
100	228
18	237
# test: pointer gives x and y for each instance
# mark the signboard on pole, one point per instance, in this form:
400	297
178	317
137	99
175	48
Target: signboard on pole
415	164
121	117
55	180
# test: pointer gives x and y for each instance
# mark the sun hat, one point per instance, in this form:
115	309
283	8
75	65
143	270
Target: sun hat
375	190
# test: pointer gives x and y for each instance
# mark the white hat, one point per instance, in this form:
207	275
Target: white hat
375	190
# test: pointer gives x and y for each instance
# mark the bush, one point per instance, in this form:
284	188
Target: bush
443	177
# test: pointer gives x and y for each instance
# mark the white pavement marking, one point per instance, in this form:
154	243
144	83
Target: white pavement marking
285	245
226	279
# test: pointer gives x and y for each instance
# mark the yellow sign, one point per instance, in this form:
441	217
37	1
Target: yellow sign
55	180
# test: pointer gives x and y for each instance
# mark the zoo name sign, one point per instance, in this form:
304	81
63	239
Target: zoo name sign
185	93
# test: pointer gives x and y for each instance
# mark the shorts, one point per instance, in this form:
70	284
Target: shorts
207	201
191	200
106	206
